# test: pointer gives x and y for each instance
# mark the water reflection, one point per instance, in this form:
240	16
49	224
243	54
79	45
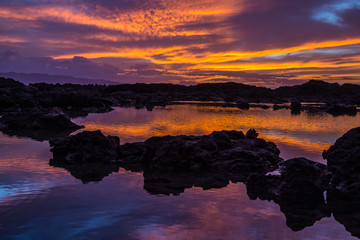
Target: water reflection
305	135
39	201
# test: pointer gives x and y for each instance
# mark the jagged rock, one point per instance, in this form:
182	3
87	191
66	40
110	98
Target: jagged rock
343	160
228	151
298	189
85	147
252	133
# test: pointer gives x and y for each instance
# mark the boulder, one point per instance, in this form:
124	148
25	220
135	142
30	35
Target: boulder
84	147
343	160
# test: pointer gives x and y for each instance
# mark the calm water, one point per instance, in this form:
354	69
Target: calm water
38	201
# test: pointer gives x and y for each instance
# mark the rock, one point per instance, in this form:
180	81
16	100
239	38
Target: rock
338	110
228	151
39	125
243	105
343	160
220	156
252	133
295	107
85	147
10	83
70	99
276	107
298	189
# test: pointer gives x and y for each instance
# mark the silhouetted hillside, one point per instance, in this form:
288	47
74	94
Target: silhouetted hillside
45	78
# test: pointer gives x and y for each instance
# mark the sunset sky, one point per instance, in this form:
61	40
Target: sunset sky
259	42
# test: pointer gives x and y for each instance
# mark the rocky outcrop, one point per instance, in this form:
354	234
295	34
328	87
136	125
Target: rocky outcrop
229	154
85	147
39	125
343	160
298	188
225	150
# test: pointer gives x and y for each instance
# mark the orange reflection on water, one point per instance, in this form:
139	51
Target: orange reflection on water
309	133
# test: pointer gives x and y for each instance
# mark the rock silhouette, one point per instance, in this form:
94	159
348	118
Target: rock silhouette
298	189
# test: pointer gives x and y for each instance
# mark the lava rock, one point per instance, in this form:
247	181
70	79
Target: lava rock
226	150
343	160
87	146
53	120
252	133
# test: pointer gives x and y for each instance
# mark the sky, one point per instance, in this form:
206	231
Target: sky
264	42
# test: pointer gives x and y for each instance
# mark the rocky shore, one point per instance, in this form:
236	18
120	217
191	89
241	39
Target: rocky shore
306	191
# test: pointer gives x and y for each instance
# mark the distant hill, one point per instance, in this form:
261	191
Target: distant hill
46	78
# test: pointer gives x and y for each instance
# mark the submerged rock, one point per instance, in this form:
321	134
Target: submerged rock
85	147
343	160
298	189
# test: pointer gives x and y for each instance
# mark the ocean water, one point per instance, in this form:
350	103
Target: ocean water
38	201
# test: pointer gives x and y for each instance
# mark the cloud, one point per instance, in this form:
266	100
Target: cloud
265	41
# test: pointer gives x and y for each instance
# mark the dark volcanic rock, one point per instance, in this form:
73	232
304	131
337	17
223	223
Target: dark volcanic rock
39	126
343	160
252	133
218	157
299	191
85	147
54	120
229	151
